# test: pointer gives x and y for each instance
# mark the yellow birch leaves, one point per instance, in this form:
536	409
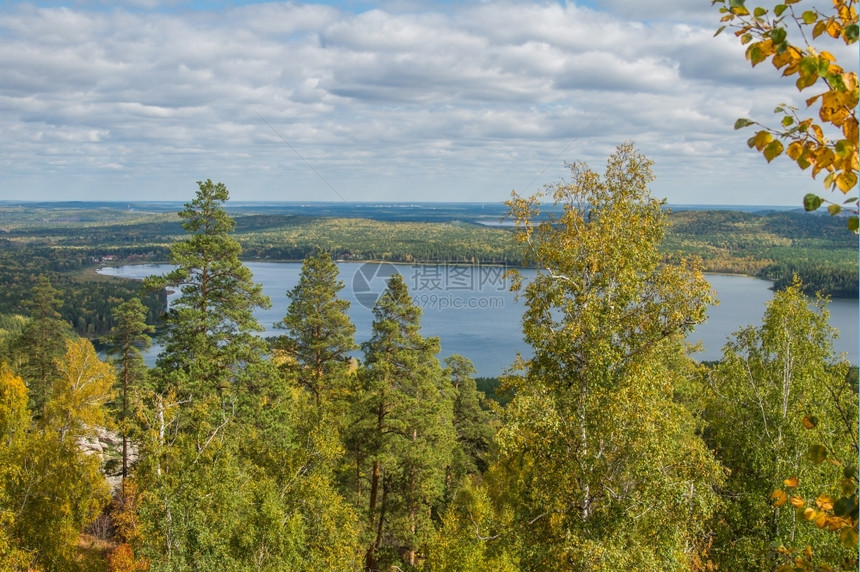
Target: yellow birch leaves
827	143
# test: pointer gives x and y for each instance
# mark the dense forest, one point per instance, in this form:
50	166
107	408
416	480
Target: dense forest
609	449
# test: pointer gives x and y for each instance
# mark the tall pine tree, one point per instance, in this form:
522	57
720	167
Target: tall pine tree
401	435
320	335
211	326
127	338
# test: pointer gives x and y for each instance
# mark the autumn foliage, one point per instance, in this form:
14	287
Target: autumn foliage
793	39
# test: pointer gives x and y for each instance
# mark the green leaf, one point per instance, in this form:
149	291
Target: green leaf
779	9
806	80
743	122
843	507
848	536
811	202
808	65
772	150
719	31
778	35
759	12
809	17
843	147
787	121
756	54
834	210
849	472
737	7
851	33
853	223
817	453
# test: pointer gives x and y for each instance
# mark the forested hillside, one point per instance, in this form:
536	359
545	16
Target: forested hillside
612	448
66	243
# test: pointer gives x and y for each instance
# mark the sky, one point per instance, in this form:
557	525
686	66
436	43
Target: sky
359	100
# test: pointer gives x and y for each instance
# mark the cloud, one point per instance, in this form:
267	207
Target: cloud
398	101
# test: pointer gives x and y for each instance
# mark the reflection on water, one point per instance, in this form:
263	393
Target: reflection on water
472	312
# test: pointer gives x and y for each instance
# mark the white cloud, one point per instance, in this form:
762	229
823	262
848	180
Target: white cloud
460	101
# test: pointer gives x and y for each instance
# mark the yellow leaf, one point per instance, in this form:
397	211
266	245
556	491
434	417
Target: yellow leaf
819	134
797	502
783	59
825	157
849	129
761	139
824	502
809	514
791	482
794	150
818	29
812	99
778	497
846	181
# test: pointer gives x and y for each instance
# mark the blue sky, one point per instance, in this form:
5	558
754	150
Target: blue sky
403	100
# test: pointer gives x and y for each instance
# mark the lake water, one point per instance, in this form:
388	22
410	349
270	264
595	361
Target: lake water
472	312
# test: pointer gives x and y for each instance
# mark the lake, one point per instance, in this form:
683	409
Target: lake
472	312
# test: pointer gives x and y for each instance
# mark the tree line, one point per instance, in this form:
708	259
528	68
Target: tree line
613	450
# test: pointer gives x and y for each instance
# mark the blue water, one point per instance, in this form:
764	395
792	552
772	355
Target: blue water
473	313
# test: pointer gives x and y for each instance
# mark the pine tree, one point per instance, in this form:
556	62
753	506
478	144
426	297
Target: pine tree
226	478
128	337
320	335
401	434
210	328
41	343
472	420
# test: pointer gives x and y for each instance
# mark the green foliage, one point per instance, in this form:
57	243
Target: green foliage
400	437
468	538
210	327
320	335
473	422
774	246
232	460
770	378
603	468
41	343
127	338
